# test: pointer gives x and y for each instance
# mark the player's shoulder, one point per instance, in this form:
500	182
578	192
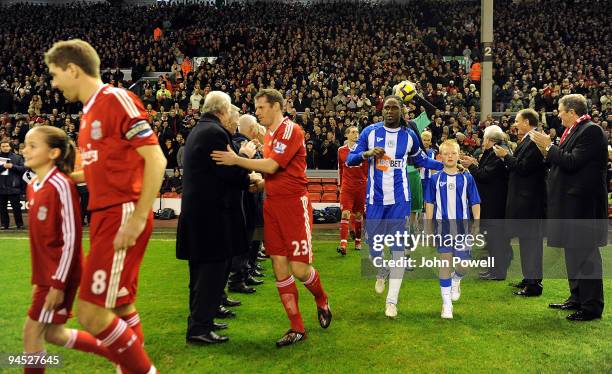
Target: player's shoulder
372	127
289	130
121	98
61	182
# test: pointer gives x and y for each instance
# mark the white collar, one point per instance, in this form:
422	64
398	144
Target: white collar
92	99
38	185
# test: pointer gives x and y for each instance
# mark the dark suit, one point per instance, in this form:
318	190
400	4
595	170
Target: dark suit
491	178
525	208
212	223
577	210
10	189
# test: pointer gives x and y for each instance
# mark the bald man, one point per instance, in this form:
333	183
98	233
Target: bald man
244	267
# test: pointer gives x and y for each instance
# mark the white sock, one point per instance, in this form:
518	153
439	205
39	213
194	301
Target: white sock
396	275
446	295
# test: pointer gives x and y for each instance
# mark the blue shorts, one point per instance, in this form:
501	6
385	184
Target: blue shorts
384	220
456	229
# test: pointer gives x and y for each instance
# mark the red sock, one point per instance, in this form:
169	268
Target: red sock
119	338
133	320
289	297
358	223
316	289
32	370
344	231
84	341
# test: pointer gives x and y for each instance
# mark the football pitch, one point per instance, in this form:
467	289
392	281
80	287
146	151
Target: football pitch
492	330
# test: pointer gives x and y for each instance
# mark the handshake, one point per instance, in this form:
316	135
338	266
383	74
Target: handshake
256	182
249	149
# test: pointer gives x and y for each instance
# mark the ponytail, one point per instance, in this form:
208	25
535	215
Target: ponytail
66	160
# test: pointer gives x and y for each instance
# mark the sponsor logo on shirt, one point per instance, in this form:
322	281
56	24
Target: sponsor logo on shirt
279	147
387	163
442	184
96	130
378	139
89	157
42	213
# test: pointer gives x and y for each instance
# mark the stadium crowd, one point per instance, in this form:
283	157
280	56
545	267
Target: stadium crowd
334	63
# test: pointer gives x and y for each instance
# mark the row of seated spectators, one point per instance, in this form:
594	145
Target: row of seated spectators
334	62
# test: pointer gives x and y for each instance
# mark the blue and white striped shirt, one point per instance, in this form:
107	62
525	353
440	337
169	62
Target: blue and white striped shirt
452	195
387	176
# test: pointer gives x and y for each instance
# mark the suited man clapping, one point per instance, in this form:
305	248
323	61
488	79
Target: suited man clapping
526	199
577	204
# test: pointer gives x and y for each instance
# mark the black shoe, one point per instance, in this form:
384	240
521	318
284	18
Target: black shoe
223	312
208	338
4	228
566	305
484	273
491	277
250	281
20	227
219	326
341	250
521	284
241	288
529	292
324	316
256	273
260	268
291	337
581	316
230	303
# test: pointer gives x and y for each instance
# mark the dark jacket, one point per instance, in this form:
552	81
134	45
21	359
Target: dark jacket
253	202
11	184
211	226
577	189
526	182
491	178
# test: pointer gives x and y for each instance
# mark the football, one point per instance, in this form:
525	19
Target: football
405	90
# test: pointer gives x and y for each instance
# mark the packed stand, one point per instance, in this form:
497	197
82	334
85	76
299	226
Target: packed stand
334	67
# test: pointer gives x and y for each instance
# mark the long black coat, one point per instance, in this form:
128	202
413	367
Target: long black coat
491	178
211	226
577	189
526	182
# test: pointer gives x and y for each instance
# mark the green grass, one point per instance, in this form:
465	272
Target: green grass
492	330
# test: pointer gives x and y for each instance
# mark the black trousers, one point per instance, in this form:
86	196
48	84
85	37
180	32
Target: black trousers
206	283
498	246
584	273
16	205
239	269
532	252
84	200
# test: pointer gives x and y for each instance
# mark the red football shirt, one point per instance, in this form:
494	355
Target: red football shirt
352	178
114	124
286	147
55	230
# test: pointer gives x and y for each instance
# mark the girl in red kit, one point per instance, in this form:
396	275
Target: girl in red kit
55	242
